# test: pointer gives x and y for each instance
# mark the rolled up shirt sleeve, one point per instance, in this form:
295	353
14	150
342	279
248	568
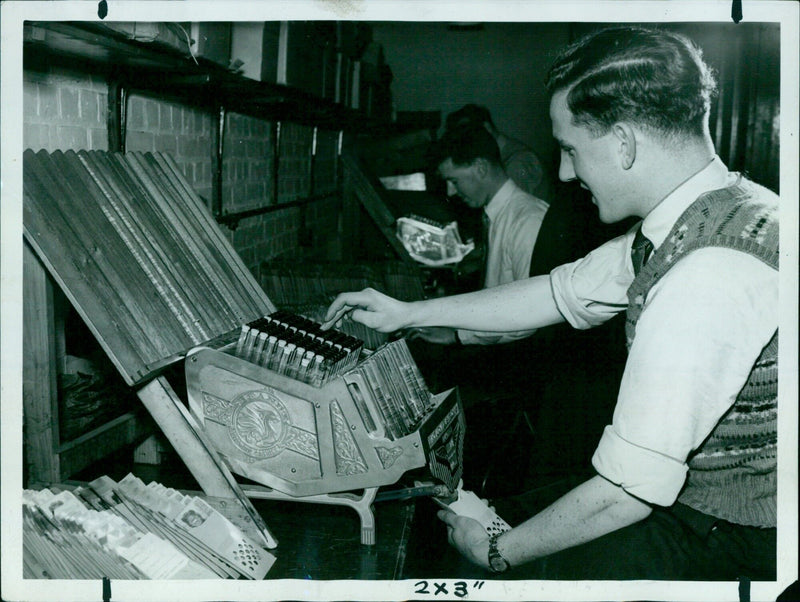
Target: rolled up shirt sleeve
593	289
642	472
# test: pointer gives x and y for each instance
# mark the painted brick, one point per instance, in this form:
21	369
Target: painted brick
98	139
239	195
243	170
37	77
204	171
239	236
204	192
135	113
30	101
186	120
151	114
48	102
189	125
228	170
96	83
188	147
140	141
197	173
166	143
237	148
254	191
187	169
205	148
201	169
36	137
228	233
248	257
70	137
202	123
193	177
234	125
70	104
252	148
227	198
260	128
89	106
165	116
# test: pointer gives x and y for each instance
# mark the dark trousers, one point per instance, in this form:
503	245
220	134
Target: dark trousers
677	543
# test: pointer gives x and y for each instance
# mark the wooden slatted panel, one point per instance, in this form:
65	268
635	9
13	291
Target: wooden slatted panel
137	253
368	191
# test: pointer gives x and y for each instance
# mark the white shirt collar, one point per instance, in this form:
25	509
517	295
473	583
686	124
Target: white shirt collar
660	220
500	199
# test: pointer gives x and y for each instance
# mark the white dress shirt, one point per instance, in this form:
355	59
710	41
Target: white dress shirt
703	326
515	218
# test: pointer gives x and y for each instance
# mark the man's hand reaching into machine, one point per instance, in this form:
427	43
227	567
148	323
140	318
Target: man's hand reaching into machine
372	309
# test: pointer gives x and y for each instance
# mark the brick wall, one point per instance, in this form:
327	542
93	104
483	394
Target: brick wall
181	131
294	175
69	111
64	111
247	172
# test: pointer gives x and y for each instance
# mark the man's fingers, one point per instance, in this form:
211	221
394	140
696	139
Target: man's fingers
335	318
447	516
342	305
338	307
368	307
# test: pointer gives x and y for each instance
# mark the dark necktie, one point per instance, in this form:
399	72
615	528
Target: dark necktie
640	251
485	224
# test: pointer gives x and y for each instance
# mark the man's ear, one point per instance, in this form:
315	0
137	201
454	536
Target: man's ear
626	140
481	166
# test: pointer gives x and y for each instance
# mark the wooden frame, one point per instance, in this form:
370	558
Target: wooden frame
50	460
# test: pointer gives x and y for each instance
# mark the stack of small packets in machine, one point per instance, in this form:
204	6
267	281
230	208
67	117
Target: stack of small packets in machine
297	347
129	530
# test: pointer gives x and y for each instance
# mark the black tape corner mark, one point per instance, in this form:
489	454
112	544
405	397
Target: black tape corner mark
744	589
102	9
736	11
106	589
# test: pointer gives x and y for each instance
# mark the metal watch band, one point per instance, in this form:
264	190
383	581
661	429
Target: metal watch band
497	563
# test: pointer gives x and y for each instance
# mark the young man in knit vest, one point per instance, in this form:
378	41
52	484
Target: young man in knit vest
685	483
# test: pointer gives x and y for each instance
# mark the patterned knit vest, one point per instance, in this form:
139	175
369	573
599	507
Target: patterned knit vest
733	474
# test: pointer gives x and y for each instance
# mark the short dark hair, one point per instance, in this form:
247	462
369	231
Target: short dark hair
469	114
464	144
654	78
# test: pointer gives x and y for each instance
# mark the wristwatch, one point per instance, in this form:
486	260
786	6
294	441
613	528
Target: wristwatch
497	564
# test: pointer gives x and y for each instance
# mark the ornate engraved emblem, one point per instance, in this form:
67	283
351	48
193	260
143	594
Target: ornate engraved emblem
217	409
347	456
259	425
389	455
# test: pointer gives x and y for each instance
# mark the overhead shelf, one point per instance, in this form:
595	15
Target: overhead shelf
165	68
